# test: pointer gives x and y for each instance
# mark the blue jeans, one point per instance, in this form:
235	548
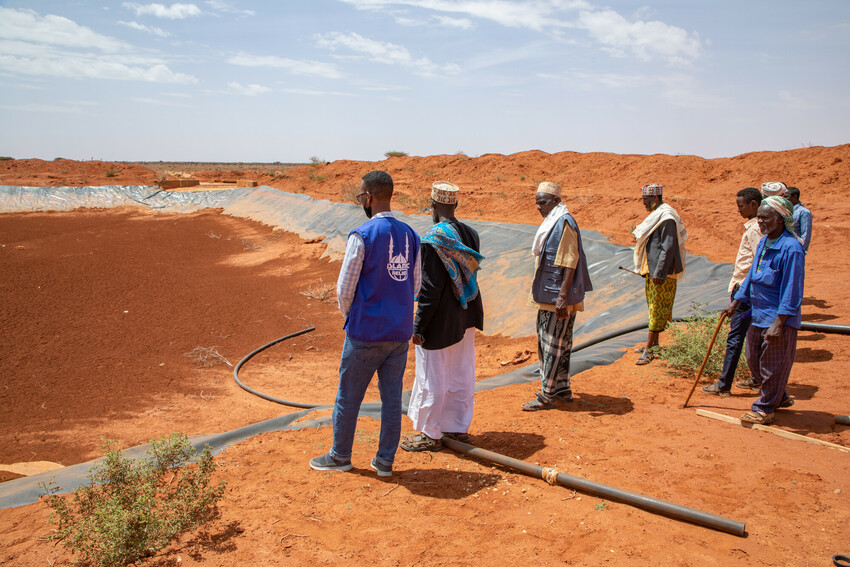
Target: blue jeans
739	325
360	360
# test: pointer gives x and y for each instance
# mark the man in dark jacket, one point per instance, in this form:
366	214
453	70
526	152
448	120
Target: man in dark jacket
560	281
449	311
660	258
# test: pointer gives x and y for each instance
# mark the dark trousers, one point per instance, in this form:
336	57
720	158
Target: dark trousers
740	324
771	364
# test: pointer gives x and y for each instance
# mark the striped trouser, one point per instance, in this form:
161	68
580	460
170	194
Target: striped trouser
554	341
770	364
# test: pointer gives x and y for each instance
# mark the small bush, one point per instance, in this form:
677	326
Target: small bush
313	176
396	154
320	292
131	509
314	161
688	342
349	192
6	158
418	203
112	172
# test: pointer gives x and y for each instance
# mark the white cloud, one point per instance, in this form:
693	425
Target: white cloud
311	92
42	108
536	14
642	39
326	70
31	44
462	23
678	89
28	25
157	102
219	6
174	12
248	90
147	29
616	34
383	52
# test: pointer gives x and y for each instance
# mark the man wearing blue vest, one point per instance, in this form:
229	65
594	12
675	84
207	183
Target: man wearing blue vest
560	281
379	278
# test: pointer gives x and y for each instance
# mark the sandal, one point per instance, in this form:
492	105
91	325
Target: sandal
421	442
715	389
758	417
645	358
748	384
640	349
786	404
462	437
538	404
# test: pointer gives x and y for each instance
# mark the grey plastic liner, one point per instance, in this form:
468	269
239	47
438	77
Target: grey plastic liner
617	301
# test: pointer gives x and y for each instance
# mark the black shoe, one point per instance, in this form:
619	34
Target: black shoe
328	463
382	470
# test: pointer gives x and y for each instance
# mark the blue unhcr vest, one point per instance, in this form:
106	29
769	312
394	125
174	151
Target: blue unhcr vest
382	309
549	277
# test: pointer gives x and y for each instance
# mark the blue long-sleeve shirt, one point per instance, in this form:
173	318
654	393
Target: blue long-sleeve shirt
774	284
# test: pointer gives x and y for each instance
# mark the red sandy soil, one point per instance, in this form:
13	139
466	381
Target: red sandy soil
100	307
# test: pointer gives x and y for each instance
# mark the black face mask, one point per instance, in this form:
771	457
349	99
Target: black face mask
368	211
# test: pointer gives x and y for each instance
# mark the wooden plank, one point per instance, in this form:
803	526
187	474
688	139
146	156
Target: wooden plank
768	429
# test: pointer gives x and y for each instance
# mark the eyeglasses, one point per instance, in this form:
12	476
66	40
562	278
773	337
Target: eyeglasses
359	197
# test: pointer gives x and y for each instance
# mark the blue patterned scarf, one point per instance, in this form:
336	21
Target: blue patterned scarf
461	261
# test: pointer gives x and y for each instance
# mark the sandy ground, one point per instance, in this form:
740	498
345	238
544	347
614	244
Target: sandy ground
101	307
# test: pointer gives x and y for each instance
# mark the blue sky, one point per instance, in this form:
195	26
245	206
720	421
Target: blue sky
352	79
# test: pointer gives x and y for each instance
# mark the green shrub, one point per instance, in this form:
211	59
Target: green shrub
6	158
133	508
395	154
688	340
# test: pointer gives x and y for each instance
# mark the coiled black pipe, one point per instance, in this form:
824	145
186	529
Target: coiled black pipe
609	492
266	396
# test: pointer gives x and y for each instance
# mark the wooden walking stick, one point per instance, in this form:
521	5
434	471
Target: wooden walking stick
705	360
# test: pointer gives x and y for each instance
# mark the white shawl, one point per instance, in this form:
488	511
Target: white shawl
546	227
664	212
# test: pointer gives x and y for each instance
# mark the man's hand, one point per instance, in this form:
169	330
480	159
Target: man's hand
774	332
658	281
418	339
730	309
561	308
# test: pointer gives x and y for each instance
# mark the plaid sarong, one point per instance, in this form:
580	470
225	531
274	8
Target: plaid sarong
554	341
659	299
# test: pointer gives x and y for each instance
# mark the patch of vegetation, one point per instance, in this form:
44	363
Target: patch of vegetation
416	203
500	178
314	176
320	291
462	155
131	509
6	158
206	356
314	161
430	172
395	154
349	192
112	172
688	342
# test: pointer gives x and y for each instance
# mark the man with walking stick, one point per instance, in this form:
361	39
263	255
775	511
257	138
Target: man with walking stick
774	288
748	201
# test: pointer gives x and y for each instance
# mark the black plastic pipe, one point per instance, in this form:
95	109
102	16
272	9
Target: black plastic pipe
609	492
266	396
824	328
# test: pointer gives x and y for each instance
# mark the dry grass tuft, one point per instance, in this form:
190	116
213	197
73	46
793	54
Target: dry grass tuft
206	356
320	292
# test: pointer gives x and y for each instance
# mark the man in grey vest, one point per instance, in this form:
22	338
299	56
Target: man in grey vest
560	281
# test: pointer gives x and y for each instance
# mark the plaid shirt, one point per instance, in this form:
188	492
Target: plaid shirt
352	263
